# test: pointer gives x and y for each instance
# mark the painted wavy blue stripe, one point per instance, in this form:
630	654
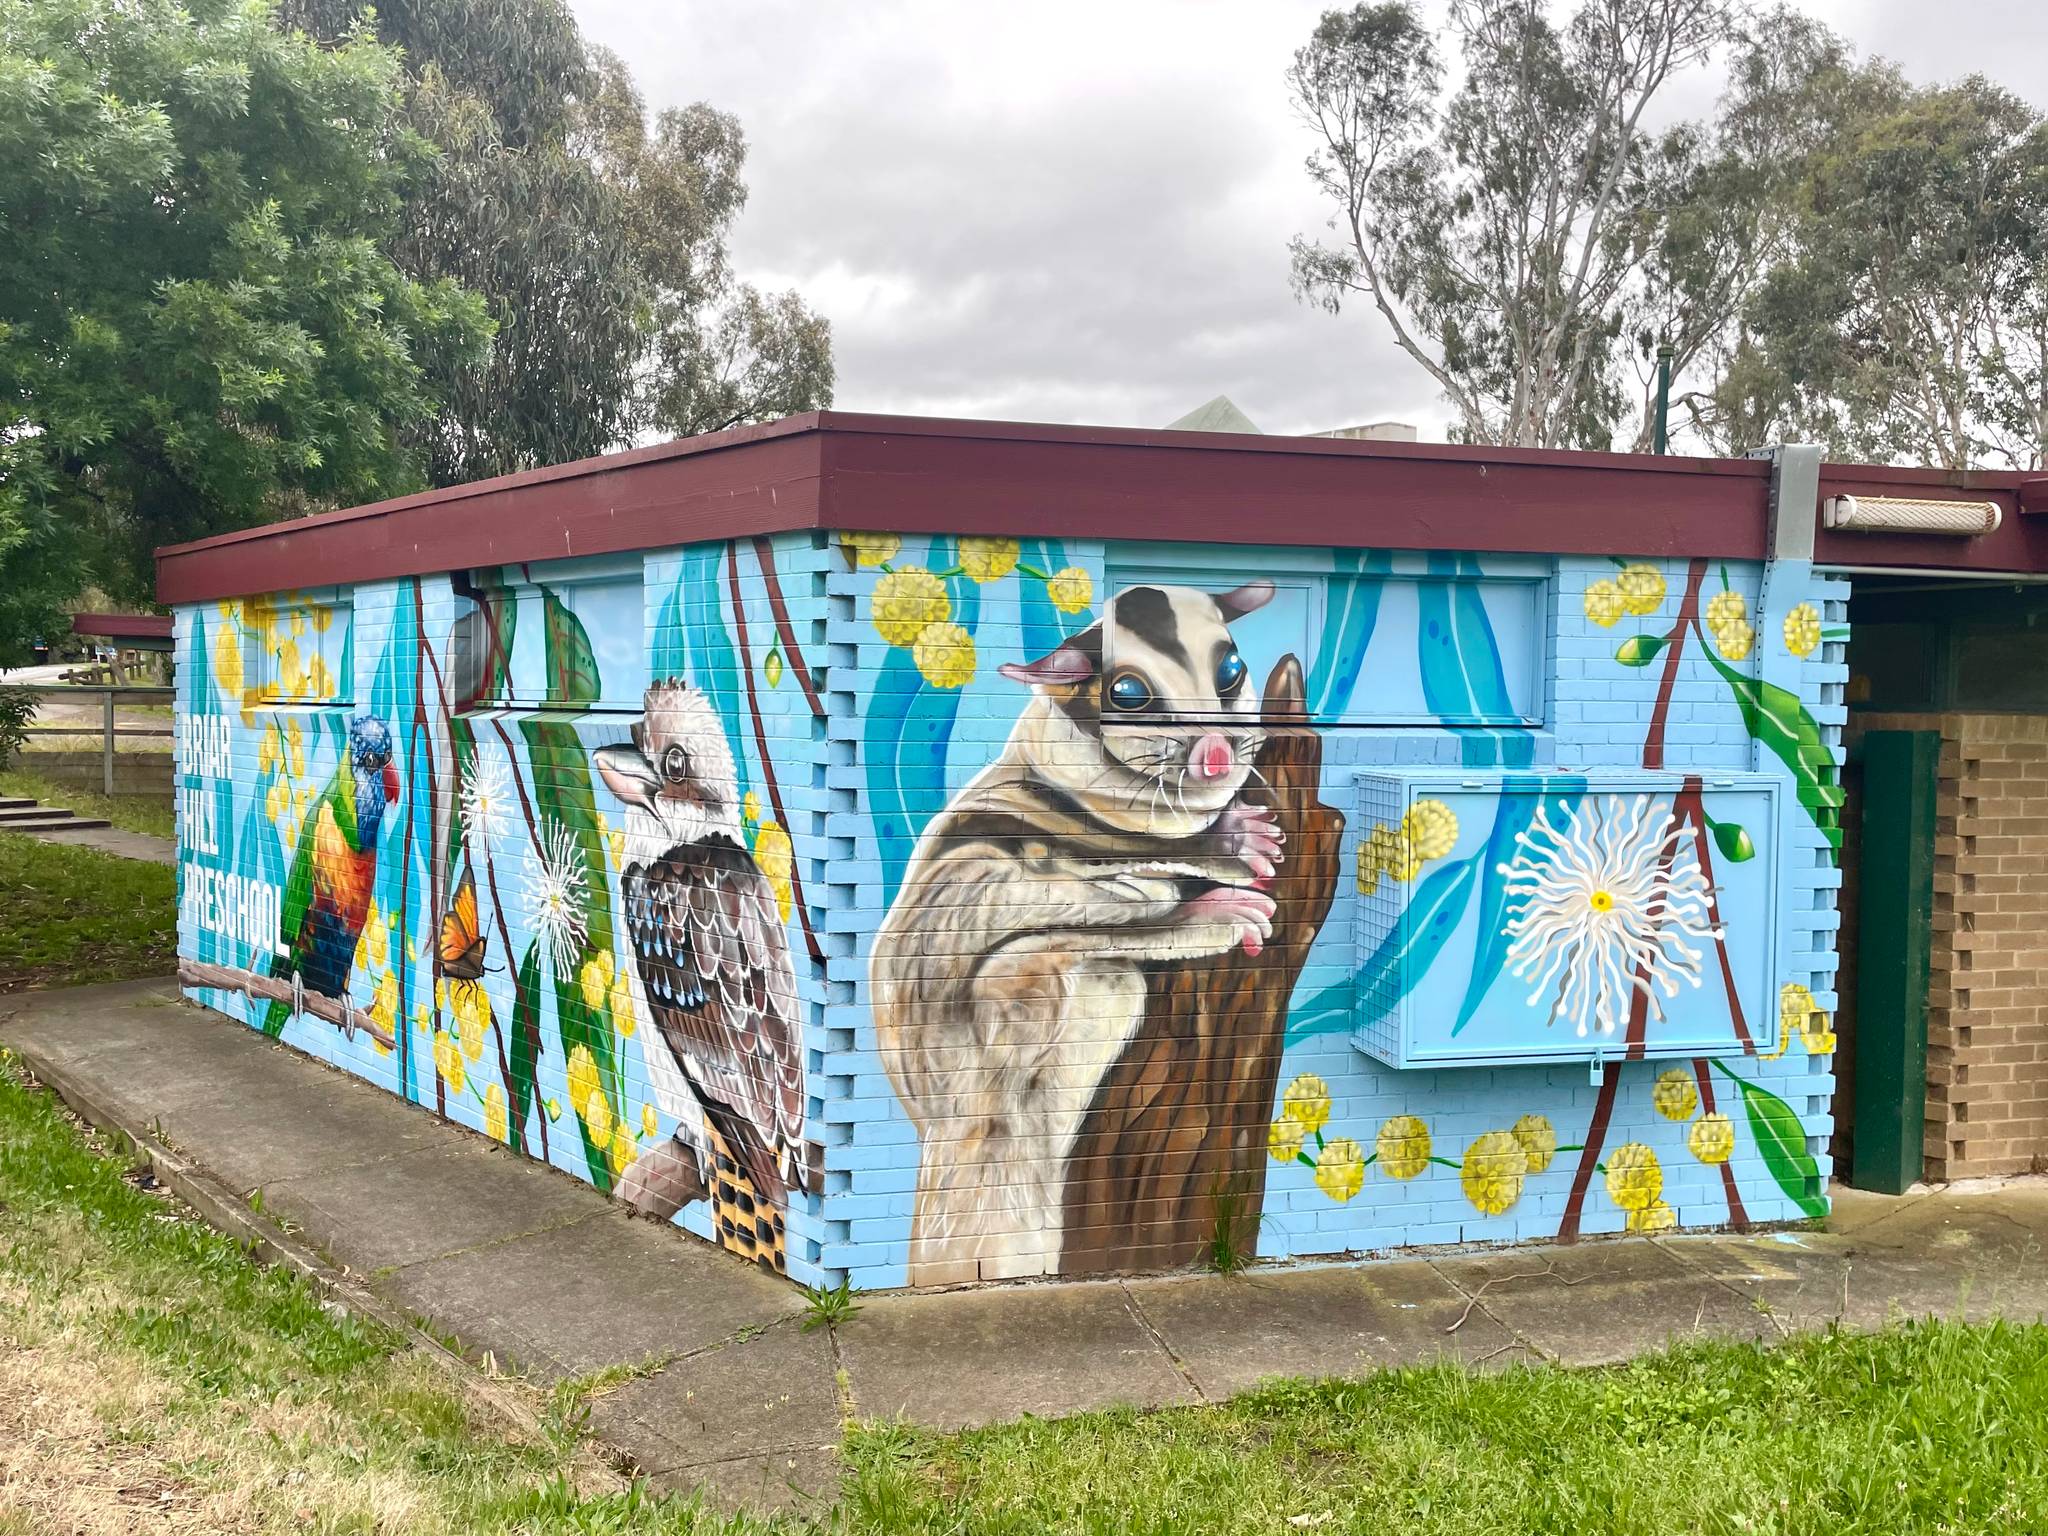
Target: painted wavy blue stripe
712	662
1353	614
909	731
1044	626
671	654
1520	794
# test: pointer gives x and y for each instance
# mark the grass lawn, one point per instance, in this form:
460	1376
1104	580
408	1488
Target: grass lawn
153	814
152	1378
70	915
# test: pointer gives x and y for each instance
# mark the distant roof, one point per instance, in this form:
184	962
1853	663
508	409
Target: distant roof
924	475
122	626
1219	415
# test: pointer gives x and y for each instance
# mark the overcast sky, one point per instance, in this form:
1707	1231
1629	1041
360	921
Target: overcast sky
1080	211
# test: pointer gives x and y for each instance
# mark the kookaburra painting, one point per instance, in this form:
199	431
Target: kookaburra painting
712	967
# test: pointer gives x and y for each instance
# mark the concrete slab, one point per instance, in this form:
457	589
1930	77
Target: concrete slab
1852	1210
447	1198
636	1291
767	1394
785	1482
1233	1332
1811	1279
1596	1303
83	832
980	1357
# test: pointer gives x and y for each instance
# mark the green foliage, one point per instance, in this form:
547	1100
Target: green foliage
1491	229
199	328
827	1306
1909	318
1777	719
596	234
17	712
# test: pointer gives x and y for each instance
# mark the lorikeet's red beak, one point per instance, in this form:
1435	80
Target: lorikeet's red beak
390	783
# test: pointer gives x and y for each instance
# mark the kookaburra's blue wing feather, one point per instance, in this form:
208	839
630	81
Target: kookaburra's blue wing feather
715	970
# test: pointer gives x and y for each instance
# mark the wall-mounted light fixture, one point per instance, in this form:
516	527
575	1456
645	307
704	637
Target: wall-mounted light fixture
1899	514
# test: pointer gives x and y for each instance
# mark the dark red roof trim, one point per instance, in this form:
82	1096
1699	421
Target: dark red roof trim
122	626
834	469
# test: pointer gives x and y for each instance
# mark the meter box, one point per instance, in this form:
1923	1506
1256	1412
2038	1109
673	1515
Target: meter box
1533	917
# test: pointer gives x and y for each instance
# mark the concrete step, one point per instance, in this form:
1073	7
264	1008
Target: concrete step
14	803
53	821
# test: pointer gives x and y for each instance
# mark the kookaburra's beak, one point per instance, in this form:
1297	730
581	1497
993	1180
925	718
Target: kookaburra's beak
628	774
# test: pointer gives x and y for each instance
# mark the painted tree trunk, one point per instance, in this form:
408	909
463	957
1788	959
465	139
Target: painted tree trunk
1172	1155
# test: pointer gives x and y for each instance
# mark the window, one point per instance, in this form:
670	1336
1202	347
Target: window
300	654
567	635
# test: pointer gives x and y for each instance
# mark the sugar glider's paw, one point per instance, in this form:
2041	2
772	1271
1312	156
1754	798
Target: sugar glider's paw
1251	833
1236	913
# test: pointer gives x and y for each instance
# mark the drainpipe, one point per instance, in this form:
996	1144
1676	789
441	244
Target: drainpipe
1788	562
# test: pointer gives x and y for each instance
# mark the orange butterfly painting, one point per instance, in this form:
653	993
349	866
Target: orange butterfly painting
461	953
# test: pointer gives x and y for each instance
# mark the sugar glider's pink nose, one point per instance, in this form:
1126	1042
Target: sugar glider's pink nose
1211	757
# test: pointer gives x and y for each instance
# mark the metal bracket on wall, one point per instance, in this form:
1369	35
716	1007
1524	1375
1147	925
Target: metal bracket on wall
1596	1068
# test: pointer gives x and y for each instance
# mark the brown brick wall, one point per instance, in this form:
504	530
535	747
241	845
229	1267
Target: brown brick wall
1987	1005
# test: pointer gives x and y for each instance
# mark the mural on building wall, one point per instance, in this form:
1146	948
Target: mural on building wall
1085	978
576	943
1153	910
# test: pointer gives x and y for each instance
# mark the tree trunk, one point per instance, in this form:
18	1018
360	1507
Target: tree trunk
1172	1155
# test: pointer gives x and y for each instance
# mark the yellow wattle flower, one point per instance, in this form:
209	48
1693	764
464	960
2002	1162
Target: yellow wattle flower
625	1151
582	1074
1604	604
906	602
1675	1097
1736	640
1492	1172
772	669
1307	1100
1340	1169
497	1123
1538	1140
1712	1138
377	939
1642	588
648	1123
871	548
1430	828
472	1019
384	1004
1283	1139
776	859
1654	1217
625	1018
598	1119
1726	607
595	980
1802	630
750	806
1635	1179
987	559
1402	1146
944	653
448	1060
277	800
1070	589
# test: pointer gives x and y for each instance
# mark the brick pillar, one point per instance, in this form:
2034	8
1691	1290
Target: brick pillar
1987	1006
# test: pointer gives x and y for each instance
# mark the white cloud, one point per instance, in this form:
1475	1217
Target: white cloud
1080	212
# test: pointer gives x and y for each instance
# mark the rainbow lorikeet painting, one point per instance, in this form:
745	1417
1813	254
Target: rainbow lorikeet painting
327	894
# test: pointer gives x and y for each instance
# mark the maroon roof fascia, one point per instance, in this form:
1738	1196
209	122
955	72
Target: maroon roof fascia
844	470
122	626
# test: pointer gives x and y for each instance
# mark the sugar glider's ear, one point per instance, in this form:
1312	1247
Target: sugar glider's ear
1239	601
1068	667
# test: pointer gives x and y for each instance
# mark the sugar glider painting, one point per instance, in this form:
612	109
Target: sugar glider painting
1120	832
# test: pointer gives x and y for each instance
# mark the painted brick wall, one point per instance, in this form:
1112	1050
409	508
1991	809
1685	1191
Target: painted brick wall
856	686
1987	1017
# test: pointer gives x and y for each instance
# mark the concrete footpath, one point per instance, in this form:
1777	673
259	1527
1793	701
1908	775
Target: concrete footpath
722	1387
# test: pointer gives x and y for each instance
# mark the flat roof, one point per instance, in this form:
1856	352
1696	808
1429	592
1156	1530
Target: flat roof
122	626
912	474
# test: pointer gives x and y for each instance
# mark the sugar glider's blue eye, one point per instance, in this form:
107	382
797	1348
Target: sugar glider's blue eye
1229	675
1127	690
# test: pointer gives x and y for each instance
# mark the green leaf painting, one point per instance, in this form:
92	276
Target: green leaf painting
1776	718
1639	650
1781	1143
572	668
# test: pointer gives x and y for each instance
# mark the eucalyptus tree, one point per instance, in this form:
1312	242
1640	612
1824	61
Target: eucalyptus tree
200	327
597	236
1493	229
